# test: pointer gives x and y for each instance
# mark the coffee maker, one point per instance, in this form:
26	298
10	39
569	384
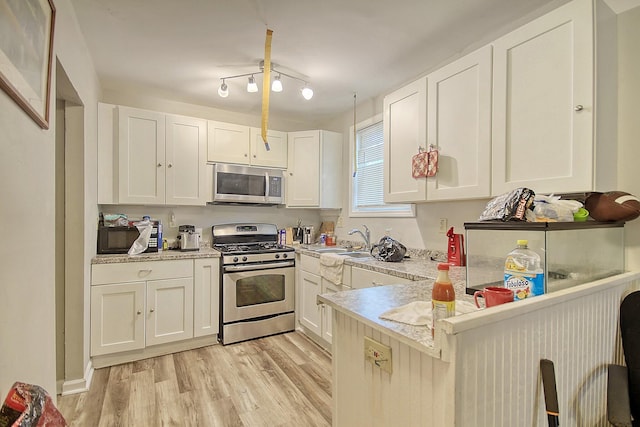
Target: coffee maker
189	238
455	253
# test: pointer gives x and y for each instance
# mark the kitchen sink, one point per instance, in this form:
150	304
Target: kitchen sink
356	254
331	250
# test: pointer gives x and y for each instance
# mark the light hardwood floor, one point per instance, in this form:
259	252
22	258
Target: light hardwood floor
282	380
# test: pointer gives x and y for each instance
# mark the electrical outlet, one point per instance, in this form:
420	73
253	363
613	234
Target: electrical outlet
172	220
339	222
443	225
377	354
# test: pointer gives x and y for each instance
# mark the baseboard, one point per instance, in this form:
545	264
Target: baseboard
80	385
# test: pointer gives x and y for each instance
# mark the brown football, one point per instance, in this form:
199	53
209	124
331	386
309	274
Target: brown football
612	206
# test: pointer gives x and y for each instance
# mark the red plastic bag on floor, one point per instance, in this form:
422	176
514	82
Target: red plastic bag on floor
29	405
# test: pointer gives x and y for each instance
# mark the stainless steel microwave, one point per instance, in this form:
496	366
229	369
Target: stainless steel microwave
247	184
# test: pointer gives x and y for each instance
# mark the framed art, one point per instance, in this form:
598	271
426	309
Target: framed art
26	45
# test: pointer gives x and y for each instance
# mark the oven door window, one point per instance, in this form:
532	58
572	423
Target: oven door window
262	289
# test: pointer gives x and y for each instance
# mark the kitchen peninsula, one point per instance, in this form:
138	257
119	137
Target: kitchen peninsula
483	367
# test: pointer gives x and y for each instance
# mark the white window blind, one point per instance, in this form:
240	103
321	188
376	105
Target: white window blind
368	183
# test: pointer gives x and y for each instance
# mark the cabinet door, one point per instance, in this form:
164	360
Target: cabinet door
303	180
206	297
228	143
141	156
309	309
543	104
276	157
169	310
327	333
117	318
186	158
459	126
405	124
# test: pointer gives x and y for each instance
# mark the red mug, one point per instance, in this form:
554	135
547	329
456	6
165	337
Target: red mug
493	295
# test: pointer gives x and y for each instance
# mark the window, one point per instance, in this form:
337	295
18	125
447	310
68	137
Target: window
367	195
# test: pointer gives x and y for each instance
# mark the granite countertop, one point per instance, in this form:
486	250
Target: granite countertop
204	252
412	268
366	305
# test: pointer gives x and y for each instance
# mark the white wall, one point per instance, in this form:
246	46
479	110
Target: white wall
628	124
27	311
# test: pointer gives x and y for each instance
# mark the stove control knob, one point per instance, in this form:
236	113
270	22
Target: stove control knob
284	255
244	258
235	259
277	256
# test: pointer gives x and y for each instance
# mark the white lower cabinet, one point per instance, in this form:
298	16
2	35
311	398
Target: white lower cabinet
206	296
138	305
310	317
315	319
117	317
169	315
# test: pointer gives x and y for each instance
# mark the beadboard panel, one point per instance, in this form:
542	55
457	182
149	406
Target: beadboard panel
499	373
418	392
491	376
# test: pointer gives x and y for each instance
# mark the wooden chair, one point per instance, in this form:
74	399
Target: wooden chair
623	384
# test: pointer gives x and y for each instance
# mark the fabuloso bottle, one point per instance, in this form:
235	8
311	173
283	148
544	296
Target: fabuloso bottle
522	272
443	296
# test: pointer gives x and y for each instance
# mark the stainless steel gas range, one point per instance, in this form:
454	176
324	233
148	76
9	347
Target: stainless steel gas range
258	278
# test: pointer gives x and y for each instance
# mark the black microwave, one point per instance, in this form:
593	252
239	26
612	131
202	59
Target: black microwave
118	240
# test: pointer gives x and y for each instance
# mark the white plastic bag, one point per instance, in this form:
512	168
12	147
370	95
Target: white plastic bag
142	242
551	208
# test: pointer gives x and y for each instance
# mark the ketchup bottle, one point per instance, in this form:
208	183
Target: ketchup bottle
443	297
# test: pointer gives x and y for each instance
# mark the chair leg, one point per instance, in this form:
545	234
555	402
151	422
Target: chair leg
618	407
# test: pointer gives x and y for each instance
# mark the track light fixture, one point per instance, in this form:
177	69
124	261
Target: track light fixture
276	85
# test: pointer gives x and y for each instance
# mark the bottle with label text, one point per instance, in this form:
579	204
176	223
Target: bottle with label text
522	272
443	296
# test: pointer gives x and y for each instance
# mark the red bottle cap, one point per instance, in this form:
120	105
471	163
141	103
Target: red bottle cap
443	266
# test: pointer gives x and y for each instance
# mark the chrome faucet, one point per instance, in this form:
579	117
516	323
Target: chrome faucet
366	236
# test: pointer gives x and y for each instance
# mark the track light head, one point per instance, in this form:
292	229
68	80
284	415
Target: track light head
307	92
252	86
276	86
223	90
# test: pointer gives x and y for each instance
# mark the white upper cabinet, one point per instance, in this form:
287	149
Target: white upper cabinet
186	145
276	156
229	143
141	159
544	110
314	177
150	158
405	130
459	126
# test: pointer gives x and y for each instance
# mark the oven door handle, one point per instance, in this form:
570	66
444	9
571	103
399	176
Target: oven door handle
252	267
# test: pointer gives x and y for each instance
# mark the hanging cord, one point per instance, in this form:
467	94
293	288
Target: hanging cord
355	146
266	82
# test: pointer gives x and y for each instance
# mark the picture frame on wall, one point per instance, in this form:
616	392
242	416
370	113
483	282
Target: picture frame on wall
26	54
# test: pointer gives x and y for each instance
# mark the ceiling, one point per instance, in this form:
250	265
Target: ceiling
179	50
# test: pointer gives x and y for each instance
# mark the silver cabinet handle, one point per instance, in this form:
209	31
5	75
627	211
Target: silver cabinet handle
139	312
170	165
152	310
144	272
246	155
579	107
159	165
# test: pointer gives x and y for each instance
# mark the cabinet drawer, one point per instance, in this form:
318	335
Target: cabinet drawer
135	271
310	264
